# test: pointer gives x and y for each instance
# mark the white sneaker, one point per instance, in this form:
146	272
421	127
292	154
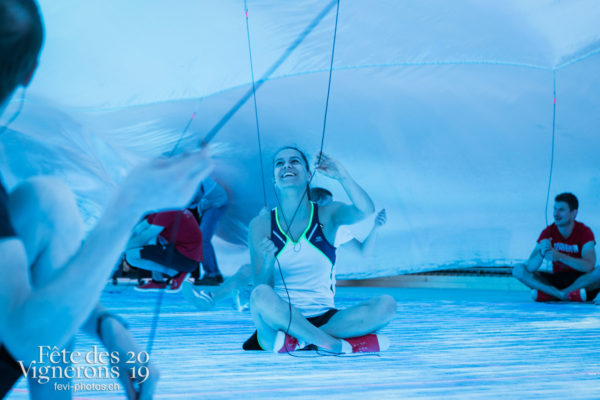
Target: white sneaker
241	300
203	300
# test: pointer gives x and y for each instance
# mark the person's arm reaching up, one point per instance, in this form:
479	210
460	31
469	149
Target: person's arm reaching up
49	315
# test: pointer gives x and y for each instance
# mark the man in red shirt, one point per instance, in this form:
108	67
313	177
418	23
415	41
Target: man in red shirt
569	245
167	242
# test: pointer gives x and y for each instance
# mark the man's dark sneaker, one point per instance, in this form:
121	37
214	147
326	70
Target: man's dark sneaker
176	281
209	280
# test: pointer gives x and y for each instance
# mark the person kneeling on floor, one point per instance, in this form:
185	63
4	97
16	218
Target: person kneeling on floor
166	243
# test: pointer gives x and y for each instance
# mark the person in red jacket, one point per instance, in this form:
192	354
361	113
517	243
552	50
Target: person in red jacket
569	245
166	243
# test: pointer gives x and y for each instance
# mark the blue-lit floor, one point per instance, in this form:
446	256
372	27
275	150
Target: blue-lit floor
445	344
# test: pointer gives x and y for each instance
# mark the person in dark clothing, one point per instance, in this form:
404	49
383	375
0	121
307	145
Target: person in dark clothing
209	205
166	243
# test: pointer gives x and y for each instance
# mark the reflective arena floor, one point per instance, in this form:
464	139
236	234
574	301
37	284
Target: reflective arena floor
445	344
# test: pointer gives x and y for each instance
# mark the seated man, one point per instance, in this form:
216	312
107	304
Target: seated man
169	243
569	245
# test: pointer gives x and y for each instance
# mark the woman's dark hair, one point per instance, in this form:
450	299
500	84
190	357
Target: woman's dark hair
21	37
318	193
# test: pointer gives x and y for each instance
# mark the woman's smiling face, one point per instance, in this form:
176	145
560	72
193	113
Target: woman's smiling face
290	168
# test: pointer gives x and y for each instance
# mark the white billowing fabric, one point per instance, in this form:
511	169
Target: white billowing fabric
441	110
144	233
209	195
307	273
343	235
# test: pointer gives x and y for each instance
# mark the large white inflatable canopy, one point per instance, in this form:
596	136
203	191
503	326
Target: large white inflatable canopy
442	110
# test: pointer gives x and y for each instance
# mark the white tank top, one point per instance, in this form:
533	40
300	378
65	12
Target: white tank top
307	266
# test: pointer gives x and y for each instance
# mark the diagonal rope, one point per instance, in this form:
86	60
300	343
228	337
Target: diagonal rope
185	130
262	167
4	128
219	125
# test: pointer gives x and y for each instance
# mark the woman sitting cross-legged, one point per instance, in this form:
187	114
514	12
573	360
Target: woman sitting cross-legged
293	260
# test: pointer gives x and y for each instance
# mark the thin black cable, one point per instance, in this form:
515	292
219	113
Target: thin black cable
552	150
305	193
212	133
262	168
325	353
260	152
288	225
337	13
254	87
187	126
324	118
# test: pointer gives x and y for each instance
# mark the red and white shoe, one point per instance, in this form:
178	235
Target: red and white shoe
176	281
151	286
538	295
371	343
285	343
578	295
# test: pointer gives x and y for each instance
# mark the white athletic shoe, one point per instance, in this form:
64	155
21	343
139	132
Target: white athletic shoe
203	300
241	300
